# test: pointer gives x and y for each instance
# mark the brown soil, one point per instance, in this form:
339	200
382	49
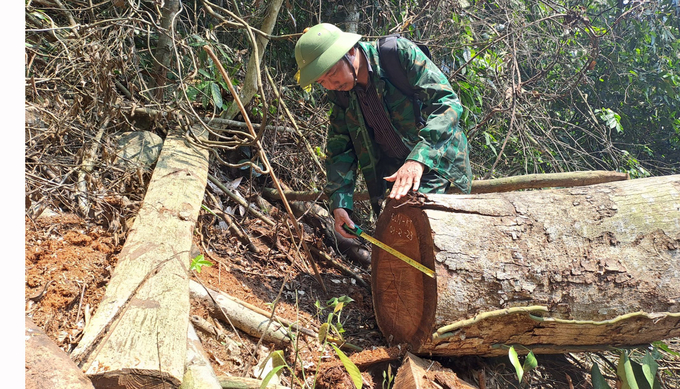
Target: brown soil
69	263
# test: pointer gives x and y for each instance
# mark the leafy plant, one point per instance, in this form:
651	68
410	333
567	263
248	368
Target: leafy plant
611	118
278	363
351	368
530	363
388	378
207	87
331	332
198	262
631	374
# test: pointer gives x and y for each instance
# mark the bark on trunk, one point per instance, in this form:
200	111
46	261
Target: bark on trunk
164	50
553	270
138	336
48	366
250	84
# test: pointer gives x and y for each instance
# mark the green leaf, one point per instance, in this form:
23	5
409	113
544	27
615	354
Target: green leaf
598	380
663	346
208	210
192	92
514	359
204	73
278	362
198	262
269	376
351	368
216	94
488	138
319	153
40	15
625	372
649	368
530	362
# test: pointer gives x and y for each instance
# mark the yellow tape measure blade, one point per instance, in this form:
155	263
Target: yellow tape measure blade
417	265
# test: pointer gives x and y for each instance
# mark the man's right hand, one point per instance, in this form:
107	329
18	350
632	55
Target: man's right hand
342	217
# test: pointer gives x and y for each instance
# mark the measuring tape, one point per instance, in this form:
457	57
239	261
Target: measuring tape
359	232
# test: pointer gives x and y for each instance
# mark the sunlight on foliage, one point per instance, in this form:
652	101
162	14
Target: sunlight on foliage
530	363
351	368
198	262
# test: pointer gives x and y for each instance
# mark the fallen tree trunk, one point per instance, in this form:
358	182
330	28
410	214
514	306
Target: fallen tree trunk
48	366
551	180
506	184
553	270
138	336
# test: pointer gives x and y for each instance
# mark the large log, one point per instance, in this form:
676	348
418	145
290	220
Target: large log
138	336
551	270
48	366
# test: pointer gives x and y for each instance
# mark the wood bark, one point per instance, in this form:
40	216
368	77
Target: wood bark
552	271
250	84
48	366
551	180
417	373
166	43
138	336
199	374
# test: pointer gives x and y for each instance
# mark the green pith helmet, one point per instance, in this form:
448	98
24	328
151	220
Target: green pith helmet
319	49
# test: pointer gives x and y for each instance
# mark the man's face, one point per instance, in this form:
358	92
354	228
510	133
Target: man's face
340	77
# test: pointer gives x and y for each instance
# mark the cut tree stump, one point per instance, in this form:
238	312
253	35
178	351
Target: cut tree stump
48	366
562	270
138	336
416	373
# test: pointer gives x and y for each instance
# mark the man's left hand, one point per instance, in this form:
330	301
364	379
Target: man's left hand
407	177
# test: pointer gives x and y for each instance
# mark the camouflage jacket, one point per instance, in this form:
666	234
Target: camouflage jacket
440	145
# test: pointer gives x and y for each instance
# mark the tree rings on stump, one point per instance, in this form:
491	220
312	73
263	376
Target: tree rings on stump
404	298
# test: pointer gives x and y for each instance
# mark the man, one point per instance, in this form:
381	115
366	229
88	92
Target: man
373	123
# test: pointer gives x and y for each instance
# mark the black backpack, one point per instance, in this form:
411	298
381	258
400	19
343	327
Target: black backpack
389	60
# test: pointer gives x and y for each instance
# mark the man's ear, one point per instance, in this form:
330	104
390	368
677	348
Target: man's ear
351	56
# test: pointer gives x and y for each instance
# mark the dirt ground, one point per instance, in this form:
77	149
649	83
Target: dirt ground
69	262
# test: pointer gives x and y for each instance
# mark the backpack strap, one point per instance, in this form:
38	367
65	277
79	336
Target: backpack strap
388	53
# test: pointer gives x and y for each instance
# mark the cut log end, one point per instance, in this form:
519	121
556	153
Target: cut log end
404	301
